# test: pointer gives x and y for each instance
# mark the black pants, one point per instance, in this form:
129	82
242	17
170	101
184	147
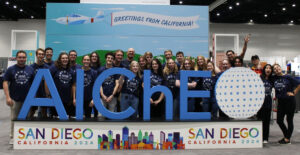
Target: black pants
286	106
88	110
264	114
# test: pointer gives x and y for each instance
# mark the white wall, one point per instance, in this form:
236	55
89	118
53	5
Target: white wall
7	26
266	40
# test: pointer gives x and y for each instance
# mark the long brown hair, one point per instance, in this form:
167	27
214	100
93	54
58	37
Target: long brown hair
58	63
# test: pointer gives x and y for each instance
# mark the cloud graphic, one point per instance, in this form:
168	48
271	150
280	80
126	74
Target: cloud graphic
57	42
123	37
107	8
155	41
106	45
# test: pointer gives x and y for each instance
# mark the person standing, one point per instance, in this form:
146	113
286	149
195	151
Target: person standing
130	89
157	99
72	59
286	87
264	113
208	84
17	82
41	93
90	76
170	72
64	80
95	61
110	85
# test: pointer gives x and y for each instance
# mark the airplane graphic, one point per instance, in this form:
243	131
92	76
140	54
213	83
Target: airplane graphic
76	19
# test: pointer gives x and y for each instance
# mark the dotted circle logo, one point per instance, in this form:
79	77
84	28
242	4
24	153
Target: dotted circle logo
240	92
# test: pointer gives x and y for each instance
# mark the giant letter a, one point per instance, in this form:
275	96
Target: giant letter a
55	101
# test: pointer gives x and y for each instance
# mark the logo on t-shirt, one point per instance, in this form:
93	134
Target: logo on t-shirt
87	80
64	77
22	77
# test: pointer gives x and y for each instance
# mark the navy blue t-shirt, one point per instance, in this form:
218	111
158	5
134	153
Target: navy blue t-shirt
268	86
89	79
208	83
49	64
156	80
109	83
170	81
20	80
132	86
126	63
190	79
284	84
41	91
63	79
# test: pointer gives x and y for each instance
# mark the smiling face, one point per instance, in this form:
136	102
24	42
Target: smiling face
142	62
230	55
21	59
154	65
130	53
49	54
237	63
64	60
72	56
187	65
119	56
277	70
210	66
179	58
200	61
94	58
134	67
226	65
171	64
40	55
168	55
86	61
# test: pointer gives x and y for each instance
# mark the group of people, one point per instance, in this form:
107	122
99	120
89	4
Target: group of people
118	92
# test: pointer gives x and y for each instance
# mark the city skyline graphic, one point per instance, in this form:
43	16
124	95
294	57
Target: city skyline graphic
140	141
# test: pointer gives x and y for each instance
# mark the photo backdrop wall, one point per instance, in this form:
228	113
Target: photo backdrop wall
100	27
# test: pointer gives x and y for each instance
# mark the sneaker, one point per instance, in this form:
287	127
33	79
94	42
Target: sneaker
282	141
11	141
265	142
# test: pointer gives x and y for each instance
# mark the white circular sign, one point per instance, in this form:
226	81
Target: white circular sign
240	92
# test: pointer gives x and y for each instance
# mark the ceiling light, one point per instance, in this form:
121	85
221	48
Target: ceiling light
230	7
218	14
6	3
15	6
32	17
21	10
292	21
294	5
283	9
251	21
180	2
266	15
237	3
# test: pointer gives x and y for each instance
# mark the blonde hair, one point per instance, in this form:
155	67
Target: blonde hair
167	70
202	67
213	71
133	63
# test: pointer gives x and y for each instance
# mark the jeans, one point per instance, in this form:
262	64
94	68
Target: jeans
110	105
210	105
128	100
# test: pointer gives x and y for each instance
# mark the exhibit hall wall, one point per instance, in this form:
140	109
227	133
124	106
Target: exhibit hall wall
266	40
